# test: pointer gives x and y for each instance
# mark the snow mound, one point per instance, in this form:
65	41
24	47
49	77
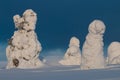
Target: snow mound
73	54
114	53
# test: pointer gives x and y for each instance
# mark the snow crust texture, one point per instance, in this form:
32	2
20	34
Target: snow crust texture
92	52
24	48
73	53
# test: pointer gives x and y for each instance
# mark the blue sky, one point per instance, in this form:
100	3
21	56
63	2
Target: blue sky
59	20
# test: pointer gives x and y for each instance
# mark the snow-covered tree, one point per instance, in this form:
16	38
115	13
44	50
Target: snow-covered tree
24	48
73	53
114	53
92	52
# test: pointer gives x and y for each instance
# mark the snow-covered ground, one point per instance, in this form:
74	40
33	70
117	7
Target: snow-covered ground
54	71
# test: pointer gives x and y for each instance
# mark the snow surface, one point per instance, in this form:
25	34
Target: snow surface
58	72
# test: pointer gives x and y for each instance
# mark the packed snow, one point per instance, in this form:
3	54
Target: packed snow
59	72
24	48
73	53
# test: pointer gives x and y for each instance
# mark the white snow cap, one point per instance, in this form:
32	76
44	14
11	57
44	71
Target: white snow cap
114	53
74	42
27	21
92	52
73	53
24	48
97	27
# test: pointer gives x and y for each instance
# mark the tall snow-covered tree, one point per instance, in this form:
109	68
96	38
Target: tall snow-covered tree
92	52
24	48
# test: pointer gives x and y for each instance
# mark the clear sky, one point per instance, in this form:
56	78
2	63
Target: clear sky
59	20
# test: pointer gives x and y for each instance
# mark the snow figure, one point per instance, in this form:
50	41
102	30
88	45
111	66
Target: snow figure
24	48
92	52
73	54
114	53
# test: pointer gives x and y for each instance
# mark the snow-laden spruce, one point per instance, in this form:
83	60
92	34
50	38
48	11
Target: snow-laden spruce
114	53
24	48
92	52
73	53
